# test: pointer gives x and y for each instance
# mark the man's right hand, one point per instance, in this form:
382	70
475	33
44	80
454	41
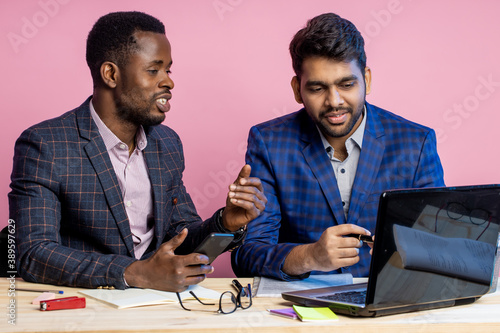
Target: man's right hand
332	251
166	271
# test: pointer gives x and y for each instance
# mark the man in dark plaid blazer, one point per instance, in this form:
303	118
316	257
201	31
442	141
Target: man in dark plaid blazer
69	181
324	167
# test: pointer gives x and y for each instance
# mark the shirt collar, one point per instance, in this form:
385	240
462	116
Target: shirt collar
110	139
356	137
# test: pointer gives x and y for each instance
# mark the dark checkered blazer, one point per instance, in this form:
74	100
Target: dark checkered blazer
303	198
71	223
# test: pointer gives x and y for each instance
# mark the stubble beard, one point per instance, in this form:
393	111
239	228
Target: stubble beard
137	112
339	131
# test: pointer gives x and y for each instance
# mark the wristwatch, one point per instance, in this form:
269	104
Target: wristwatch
238	234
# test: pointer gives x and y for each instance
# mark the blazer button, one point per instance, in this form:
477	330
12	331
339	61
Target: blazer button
174	201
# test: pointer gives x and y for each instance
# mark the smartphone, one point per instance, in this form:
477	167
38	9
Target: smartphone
214	245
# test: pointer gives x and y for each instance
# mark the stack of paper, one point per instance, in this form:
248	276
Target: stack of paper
266	287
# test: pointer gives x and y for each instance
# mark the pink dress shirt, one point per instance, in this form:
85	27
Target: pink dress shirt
135	185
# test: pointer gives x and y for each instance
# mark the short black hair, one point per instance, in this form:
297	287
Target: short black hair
112	38
328	35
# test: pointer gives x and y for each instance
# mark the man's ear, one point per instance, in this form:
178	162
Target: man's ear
110	74
296	89
368	80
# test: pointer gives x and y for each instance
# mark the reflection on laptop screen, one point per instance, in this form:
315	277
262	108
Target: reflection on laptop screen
444	242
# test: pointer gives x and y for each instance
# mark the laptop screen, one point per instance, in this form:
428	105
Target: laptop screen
434	244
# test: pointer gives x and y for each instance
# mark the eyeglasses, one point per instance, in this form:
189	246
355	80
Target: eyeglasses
456	211
228	301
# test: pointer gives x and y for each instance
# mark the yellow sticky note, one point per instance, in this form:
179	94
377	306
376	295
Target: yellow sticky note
309	313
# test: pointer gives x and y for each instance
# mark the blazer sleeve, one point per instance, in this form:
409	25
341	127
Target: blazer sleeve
35	207
429	171
261	254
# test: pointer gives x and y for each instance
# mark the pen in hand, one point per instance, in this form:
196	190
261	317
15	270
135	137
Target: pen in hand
363	238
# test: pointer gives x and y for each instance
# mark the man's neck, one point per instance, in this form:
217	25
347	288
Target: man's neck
339	149
106	109
338	144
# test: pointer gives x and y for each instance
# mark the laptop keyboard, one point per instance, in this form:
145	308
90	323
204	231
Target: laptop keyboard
354	297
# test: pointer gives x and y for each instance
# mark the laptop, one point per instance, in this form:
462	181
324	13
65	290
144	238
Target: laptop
434	248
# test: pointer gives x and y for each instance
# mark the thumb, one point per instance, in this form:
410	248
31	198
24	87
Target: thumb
244	173
176	241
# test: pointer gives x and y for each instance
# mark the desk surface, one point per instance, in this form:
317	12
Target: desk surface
481	316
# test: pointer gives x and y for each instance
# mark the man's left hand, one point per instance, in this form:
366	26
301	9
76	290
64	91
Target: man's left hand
245	200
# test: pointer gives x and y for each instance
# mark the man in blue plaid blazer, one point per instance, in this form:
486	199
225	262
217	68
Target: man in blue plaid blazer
324	167
68	188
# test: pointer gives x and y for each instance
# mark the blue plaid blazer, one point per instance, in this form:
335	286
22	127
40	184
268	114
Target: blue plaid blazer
71	224
287	154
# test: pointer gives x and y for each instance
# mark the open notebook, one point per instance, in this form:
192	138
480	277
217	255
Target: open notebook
133	297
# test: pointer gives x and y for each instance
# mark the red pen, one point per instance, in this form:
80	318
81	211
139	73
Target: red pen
73	302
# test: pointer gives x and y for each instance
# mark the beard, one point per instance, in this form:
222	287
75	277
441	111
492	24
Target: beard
134	109
342	130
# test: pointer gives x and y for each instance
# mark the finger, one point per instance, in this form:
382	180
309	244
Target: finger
251	212
244	173
176	241
247	184
350	242
258	197
346	229
198	269
248	203
346	262
190	280
196	259
250	196
348	253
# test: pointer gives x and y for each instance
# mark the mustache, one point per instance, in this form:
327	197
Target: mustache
167	91
332	109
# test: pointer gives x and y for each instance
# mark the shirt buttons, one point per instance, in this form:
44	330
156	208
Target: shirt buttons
123	146
129	203
342	170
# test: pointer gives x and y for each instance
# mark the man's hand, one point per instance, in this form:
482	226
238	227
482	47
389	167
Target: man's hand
371	245
332	251
166	271
245	200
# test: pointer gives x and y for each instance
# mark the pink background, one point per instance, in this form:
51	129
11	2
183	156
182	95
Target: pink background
433	62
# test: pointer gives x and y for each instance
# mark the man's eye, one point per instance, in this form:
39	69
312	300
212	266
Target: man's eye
347	85
315	89
152	71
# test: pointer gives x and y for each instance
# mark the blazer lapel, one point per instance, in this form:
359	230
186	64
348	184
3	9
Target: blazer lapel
99	158
161	180
368	164
315	155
